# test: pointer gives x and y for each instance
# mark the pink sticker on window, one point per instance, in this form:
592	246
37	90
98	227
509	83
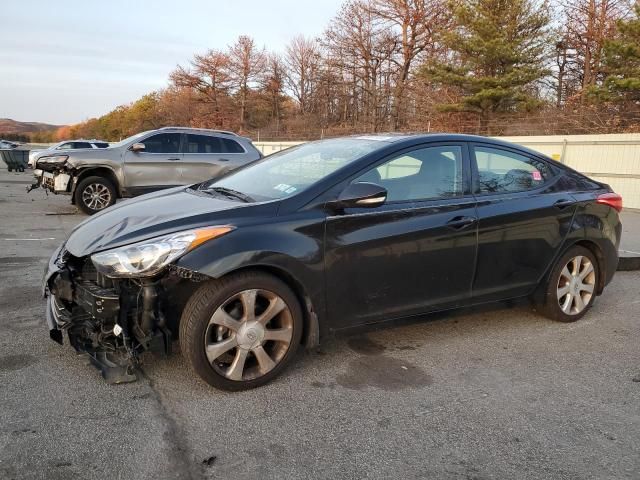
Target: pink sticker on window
537	176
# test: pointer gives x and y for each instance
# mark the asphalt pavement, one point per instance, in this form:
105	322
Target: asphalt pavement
497	392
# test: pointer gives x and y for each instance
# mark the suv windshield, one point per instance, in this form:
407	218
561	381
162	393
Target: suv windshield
122	143
295	169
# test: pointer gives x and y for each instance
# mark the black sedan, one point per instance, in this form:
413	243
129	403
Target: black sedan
324	238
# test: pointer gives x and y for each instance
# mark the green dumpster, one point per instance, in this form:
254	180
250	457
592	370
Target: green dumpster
15	159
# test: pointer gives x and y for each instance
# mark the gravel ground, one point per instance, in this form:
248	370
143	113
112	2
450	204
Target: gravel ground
486	393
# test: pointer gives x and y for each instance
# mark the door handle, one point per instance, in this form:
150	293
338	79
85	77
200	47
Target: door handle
223	159
173	159
563	203
458	223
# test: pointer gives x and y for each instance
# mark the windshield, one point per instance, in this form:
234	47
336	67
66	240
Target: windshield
129	139
295	169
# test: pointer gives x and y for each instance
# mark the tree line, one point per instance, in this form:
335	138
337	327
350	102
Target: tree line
501	67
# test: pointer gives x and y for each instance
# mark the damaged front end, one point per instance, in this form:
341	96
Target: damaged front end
114	321
118	303
53	174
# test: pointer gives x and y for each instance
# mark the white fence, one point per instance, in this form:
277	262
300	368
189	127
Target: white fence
613	159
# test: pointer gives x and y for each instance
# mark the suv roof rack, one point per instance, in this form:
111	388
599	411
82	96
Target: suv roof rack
225	132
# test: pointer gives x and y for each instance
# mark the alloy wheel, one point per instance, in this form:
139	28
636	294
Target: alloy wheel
249	334
576	285
96	196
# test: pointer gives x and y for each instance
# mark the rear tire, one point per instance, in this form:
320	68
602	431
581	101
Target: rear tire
94	194
571	287
233	347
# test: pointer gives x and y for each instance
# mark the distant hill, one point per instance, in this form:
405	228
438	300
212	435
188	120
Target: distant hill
13	126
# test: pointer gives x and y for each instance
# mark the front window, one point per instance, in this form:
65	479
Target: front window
162	143
293	170
420	174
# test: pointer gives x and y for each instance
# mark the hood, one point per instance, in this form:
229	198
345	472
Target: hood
156	214
71	153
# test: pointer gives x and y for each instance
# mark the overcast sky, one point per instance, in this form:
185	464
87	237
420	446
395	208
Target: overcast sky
65	61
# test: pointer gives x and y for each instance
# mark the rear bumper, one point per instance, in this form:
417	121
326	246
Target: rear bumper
611	254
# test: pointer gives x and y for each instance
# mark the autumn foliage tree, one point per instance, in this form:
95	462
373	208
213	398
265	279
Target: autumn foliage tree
478	66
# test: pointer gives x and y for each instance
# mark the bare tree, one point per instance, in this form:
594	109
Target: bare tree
588	25
210	76
359	46
273	84
247	63
303	59
417	24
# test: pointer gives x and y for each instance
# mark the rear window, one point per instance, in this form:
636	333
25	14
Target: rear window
502	171
231	146
211	144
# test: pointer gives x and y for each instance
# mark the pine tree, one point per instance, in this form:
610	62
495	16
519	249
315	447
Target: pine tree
497	52
622	63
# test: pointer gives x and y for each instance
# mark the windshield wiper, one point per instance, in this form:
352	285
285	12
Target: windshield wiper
228	192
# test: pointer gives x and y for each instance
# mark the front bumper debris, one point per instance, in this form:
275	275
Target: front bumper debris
56	182
114	322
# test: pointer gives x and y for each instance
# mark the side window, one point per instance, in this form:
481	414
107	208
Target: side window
231	146
82	145
162	143
203	144
425	173
65	146
501	171
101	144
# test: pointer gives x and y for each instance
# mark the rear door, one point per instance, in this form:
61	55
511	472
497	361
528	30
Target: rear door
523	220
158	166
203	158
412	254
209	156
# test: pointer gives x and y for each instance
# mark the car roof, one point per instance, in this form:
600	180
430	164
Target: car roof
203	130
83	140
416	138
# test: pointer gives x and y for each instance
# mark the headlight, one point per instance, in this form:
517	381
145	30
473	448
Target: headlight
144	259
56	159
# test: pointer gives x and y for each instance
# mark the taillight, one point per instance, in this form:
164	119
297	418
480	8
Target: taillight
612	199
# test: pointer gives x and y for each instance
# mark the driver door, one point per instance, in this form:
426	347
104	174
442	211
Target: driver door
413	254
157	167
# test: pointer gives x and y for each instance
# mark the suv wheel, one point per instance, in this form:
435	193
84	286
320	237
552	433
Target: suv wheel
571	288
94	194
240	332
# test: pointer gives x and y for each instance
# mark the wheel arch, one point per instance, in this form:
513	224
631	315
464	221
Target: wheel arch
590	245
594	248
311	324
105	172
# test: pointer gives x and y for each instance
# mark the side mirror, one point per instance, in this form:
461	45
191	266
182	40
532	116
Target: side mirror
361	195
138	147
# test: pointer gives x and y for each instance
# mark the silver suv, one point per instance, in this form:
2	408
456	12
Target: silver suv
145	162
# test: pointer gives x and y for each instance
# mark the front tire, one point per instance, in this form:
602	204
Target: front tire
571	287
241	331
94	194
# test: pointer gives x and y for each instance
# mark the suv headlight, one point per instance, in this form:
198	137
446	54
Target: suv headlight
146	258
57	159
